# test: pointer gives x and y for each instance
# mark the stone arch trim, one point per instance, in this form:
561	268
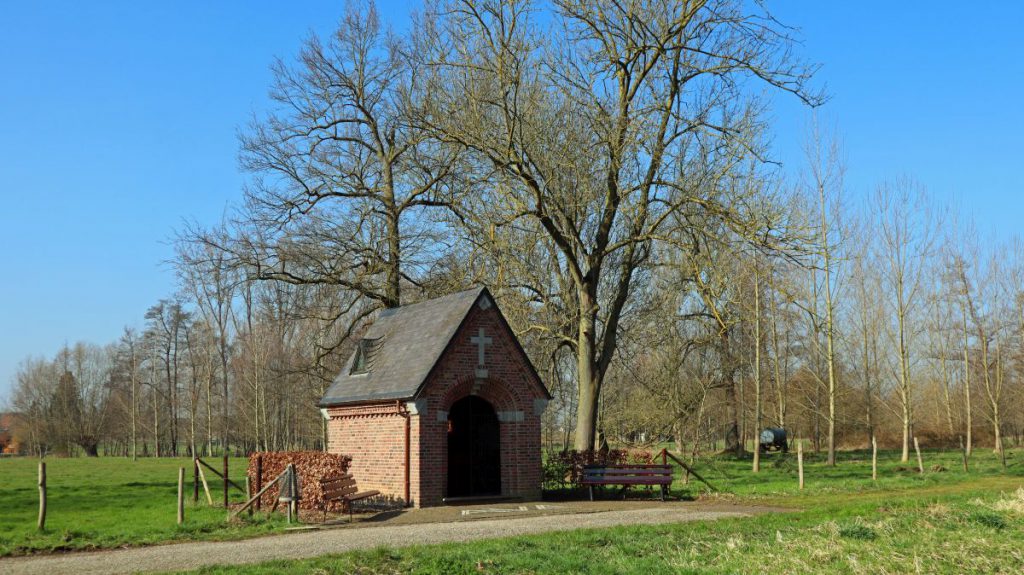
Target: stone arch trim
491	390
508	405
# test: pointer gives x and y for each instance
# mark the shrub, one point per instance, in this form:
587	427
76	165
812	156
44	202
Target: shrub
556	472
565	469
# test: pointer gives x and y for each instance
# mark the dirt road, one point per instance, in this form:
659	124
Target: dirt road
184	556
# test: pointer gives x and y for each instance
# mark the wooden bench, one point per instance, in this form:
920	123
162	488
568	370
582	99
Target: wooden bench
342	488
627	475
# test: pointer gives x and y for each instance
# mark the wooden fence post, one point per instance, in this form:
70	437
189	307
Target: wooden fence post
206	486
259	478
248	491
259	494
874	458
920	464
181	495
225	481
298	495
800	461
289	488
41	524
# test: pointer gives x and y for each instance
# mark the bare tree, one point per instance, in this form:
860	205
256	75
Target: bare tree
757	367
599	129
207	275
907	230
131	360
35	398
963	257
83	391
941	346
167	322
984	314
826	179
340	178
779	312
866	286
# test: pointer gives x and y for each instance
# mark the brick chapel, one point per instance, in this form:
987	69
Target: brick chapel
438	403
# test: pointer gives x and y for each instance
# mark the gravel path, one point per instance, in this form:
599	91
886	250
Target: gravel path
183	556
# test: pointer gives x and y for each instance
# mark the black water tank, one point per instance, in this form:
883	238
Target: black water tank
774	438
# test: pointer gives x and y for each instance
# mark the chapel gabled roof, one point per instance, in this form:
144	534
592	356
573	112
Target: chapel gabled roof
401	348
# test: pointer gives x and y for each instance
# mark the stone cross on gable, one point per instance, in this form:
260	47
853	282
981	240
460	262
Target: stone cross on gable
481	341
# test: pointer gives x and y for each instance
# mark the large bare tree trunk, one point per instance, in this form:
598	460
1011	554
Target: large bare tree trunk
734	434
588	376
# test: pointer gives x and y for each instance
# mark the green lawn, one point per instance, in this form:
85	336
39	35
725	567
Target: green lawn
941	522
110	502
852	474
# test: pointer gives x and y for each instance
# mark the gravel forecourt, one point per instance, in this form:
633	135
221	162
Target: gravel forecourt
300	545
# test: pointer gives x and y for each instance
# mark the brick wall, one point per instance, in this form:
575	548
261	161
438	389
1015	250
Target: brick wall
374	435
509	387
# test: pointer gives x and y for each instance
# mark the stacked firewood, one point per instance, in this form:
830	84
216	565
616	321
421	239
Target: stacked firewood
311	467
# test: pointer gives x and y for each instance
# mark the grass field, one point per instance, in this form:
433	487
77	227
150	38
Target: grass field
939	522
942	521
109	502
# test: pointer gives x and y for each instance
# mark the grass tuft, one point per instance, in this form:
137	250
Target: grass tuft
989	519
1012	503
857	531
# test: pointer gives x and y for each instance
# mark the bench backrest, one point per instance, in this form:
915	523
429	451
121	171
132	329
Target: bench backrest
338	486
609	472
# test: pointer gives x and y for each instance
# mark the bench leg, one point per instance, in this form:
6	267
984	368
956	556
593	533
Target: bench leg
664	488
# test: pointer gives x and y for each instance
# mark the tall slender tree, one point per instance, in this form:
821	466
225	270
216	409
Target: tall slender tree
907	226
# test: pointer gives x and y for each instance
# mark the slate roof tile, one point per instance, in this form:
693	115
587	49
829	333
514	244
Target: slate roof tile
410	340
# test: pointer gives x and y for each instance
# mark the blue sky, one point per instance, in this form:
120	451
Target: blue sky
118	121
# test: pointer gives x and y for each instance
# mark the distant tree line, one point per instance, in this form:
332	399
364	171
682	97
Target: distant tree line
604	168
165	391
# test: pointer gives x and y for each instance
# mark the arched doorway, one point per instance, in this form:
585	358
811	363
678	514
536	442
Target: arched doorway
474	450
